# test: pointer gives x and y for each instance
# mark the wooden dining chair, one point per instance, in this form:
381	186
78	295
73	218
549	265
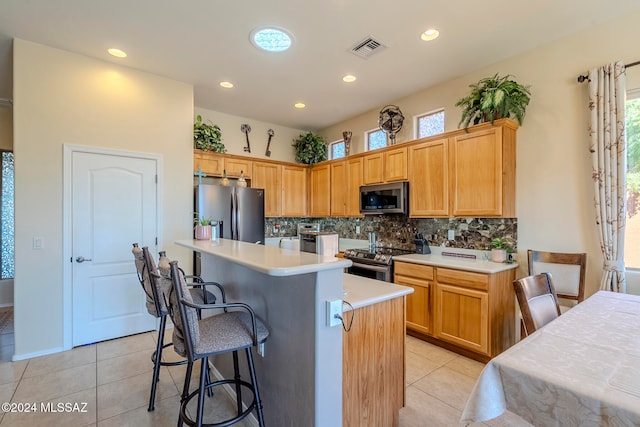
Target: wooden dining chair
568	271
537	300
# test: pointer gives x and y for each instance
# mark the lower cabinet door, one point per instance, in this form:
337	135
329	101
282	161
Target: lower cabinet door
462	317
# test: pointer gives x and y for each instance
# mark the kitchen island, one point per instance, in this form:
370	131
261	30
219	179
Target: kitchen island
301	374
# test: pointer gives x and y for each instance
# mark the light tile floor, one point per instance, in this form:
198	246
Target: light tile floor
112	378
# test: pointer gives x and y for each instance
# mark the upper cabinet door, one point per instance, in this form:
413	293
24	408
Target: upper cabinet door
269	177
373	169
395	165
320	191
477	173
294	190
339	188
354	172
429	179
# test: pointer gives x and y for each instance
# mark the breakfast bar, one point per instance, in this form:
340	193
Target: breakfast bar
301	372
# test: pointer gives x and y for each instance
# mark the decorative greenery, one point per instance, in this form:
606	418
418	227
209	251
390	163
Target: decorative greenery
207	137
310	148
200	220
501	243
494	98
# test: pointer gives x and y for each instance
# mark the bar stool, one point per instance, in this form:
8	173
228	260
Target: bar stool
229	331
157	307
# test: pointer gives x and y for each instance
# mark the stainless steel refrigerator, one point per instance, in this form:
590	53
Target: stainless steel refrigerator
240	209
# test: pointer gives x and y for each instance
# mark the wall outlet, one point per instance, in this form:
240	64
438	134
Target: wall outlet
451	234
334	308
357	229
261	349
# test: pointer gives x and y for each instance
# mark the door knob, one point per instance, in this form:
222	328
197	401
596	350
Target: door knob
83	259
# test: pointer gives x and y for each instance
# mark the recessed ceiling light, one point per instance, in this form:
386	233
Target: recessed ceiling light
272	39
117	53
299	105
430	34
226	85
349	78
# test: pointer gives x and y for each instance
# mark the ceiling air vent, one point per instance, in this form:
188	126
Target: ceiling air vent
367	47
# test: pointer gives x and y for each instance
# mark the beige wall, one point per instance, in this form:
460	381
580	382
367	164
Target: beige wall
64	98
6	128
235	141
554	187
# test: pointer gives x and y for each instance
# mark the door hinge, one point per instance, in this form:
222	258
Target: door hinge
156	241
70	259
156	179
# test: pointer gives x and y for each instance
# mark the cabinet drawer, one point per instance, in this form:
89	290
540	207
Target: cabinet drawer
414	270
463	278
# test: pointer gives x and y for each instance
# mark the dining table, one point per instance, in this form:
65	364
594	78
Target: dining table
581	369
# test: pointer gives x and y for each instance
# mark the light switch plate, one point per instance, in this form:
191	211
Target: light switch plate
451	235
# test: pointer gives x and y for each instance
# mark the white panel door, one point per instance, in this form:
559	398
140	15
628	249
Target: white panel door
114	204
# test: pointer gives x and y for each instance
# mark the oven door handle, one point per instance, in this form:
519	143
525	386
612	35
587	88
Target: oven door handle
369	267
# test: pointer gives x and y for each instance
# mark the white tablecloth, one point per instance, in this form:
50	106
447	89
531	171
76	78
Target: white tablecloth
582	369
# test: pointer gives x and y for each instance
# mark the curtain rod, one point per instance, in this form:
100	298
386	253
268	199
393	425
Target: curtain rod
583	77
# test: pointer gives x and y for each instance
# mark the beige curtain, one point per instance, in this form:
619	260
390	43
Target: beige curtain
607	86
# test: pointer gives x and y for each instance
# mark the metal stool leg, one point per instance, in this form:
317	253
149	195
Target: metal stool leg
236	377
203	379
254	381
157	359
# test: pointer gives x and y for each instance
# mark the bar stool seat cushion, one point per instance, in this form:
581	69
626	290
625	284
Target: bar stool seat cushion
228	332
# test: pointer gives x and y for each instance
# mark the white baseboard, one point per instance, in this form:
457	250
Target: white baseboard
7	304
17	357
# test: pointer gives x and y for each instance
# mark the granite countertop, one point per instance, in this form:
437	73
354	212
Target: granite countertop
361	291
269	260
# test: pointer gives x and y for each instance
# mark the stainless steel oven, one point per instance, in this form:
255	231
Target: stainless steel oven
375	263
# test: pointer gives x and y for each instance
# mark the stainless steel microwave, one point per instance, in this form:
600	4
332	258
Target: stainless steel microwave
384	198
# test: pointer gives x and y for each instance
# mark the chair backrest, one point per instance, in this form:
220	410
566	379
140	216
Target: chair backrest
537	300
568	271
186	331
145	264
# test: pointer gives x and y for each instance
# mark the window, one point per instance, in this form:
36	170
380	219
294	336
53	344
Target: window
632	230
376	138
429	124
6	217
336	149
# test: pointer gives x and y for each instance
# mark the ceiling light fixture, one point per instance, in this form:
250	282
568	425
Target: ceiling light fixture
430	34
117	53
226	85
272	39
349	78
299	105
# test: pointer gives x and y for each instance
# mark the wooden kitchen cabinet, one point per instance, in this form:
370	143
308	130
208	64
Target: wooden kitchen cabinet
395	164
373	171
482	172
385	166
429	179
354	174
339	188
468	312
269	177
320	197
294	190
208	162
419	306
214	164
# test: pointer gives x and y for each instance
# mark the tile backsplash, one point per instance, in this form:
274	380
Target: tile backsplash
399	230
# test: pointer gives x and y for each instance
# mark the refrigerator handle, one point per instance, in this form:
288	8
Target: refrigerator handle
234	215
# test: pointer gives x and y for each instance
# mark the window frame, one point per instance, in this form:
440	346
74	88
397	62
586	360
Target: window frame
370	131
330	146
416	121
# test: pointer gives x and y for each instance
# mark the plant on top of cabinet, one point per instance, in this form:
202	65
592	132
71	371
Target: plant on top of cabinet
310	148
494	98
207	137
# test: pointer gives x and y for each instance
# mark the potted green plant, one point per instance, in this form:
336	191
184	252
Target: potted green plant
494	98
202	227
207	137
500	247
310	148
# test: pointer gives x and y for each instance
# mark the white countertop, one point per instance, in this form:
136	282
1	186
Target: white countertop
269	260
362	291
478	265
